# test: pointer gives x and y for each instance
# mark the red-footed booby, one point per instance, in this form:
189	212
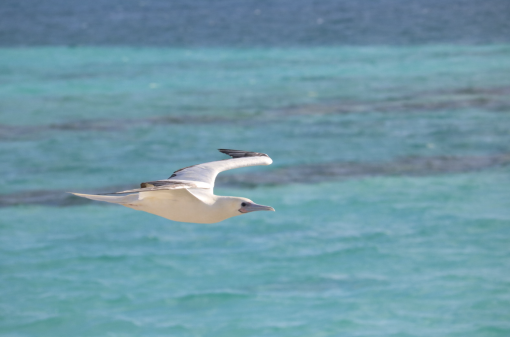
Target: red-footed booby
187	196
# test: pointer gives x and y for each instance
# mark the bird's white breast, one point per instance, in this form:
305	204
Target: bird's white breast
178	205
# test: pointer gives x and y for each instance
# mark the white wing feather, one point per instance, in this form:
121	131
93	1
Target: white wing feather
202	176
206	173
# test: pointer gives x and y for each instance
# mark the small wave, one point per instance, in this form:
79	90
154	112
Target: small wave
491	99
214	296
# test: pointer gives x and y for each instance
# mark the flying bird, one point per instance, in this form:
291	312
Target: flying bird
187	195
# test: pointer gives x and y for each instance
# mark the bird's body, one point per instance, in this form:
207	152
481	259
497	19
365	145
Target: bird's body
187	196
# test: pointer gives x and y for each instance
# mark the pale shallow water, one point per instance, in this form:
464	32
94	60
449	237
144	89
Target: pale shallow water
374	255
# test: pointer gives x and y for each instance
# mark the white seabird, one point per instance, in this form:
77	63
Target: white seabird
187	196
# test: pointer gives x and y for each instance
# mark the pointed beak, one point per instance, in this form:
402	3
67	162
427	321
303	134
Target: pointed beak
255	207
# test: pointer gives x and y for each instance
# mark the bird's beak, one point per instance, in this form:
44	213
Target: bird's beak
255	207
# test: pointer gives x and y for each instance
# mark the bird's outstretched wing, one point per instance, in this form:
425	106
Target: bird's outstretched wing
203	175
147	187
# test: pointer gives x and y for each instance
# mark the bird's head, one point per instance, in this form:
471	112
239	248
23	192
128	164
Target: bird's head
238	206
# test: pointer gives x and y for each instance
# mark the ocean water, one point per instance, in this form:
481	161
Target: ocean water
251	23
390	182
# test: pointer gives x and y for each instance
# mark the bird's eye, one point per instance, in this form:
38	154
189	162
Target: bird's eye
243	204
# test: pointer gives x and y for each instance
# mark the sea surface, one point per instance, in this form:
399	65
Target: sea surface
390	182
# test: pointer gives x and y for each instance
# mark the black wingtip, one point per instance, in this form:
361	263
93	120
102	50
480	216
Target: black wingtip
241	153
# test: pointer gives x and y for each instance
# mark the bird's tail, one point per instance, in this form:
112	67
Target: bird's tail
116	199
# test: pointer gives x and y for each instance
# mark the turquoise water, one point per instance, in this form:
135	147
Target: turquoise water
377	254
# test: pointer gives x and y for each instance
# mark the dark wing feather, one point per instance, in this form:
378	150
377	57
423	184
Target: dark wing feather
241	153
179	170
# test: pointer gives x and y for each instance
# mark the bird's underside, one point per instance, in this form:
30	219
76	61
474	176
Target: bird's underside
187	195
